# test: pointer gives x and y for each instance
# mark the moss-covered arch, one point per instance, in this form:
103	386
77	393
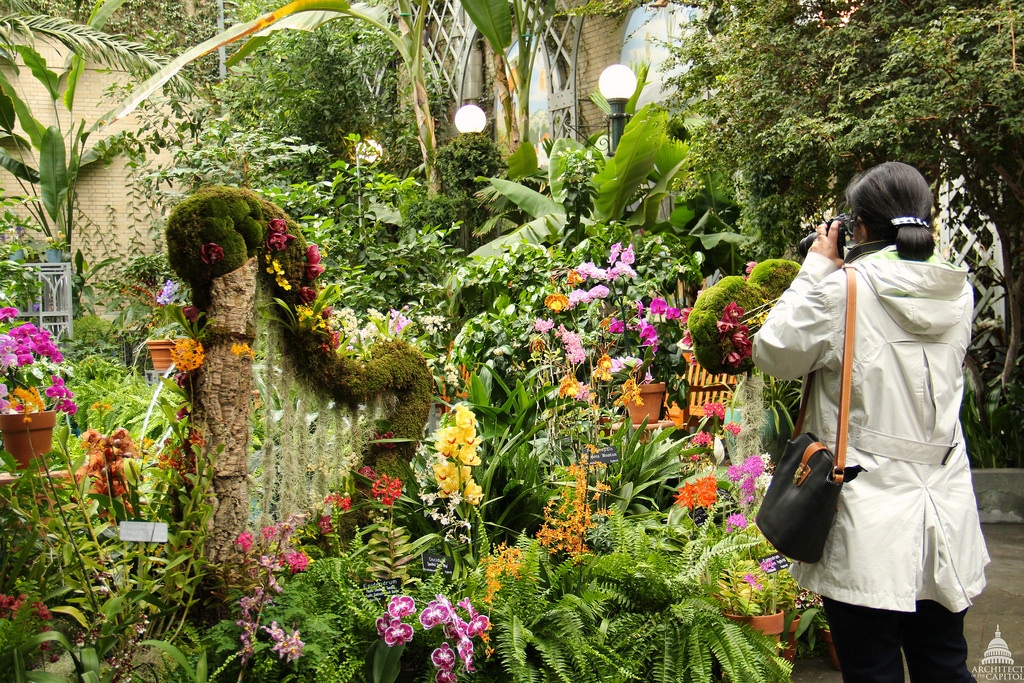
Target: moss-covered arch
219	229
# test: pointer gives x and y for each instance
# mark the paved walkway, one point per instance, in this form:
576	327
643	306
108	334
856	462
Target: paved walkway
1000	606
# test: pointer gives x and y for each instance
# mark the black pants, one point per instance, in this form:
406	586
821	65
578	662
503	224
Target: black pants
871	643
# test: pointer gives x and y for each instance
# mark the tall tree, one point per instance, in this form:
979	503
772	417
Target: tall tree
800	96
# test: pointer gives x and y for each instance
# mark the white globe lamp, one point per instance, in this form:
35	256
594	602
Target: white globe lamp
470	119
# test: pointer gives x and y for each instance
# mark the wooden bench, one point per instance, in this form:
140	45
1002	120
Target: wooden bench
703	388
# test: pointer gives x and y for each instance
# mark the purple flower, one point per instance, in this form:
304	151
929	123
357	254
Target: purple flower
613	254
478	624
752	580
574	352
445	676
599	292
167	294
734	522
8	313
443	657
627	257
465	649
543	325
616	326
401	606
659	306
398	322
589	271
397	633
383	622
648	334
436	612
621	270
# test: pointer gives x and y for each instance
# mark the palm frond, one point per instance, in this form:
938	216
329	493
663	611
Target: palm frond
85	41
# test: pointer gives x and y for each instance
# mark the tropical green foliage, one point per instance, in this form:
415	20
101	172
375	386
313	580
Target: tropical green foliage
800	97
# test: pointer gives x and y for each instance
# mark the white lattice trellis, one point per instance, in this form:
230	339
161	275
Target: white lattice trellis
968	238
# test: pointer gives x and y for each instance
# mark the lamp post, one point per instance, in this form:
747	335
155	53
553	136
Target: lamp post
617	83
470	119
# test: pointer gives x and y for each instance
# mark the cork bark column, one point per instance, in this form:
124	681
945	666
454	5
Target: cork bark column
222	405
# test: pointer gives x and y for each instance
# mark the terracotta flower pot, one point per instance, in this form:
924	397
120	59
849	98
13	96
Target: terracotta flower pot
160	353
826	635
769	624
789	652
28	435
653	396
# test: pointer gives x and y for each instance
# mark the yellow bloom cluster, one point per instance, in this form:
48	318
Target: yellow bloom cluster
187	354
308	320
275	269
457	442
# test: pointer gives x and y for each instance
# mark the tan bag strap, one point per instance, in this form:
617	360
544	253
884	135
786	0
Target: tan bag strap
843	428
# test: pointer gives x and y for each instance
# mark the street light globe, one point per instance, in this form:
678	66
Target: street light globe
470	119
617	82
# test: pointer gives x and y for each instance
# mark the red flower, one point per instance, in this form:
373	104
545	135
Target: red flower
191	313
313	254
278	225
277	241
306	295
211	253
387	490
313	270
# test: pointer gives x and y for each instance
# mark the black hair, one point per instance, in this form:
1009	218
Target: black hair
889	191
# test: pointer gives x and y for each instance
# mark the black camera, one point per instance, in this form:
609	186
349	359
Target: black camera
844	234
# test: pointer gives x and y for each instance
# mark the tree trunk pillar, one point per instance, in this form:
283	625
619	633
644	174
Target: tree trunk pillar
222	405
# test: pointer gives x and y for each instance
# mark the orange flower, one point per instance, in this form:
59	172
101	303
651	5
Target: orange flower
569	387
574	278
557	302
604	368
187	354
703	493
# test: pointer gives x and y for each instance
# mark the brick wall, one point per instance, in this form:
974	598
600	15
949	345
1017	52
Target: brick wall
112	219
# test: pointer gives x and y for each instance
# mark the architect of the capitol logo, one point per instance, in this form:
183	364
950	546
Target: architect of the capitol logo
997	664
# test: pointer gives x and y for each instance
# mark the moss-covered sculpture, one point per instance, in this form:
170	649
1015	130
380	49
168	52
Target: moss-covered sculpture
218	229
723	315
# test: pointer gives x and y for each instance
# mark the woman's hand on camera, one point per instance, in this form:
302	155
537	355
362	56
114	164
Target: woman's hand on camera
827	243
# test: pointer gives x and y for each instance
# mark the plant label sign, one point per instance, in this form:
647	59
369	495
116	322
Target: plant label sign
606	456
143	532
435	562
699	516
773	563
378	590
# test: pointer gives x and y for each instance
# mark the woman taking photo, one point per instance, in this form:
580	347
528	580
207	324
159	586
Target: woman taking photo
906	554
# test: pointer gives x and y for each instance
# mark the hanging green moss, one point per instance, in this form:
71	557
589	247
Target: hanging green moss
240	225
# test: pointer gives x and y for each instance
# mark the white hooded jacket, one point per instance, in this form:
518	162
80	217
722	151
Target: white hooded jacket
907	528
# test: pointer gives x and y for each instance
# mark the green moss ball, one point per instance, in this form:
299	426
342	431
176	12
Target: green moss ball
707	311
773	277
